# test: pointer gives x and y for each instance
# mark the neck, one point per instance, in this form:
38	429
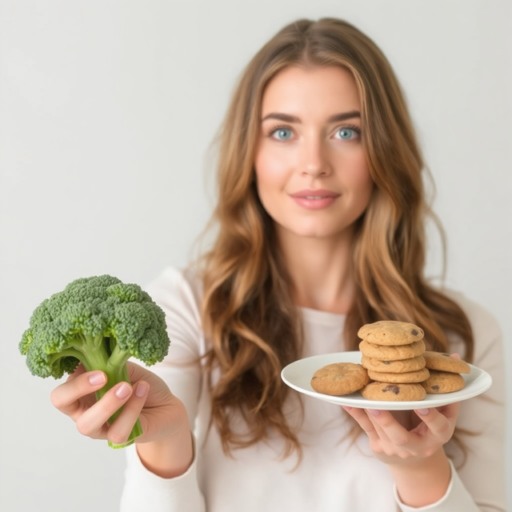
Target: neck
320	270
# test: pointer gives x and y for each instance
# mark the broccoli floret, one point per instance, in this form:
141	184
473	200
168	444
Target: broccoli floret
100	322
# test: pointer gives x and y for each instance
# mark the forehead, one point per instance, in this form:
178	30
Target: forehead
299	90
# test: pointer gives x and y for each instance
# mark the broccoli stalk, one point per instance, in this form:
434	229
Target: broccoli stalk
101	353
100	322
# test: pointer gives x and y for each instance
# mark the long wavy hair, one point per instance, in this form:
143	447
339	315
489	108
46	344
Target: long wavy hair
247	309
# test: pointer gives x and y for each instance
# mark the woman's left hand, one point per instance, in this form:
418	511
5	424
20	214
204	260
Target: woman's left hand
394	444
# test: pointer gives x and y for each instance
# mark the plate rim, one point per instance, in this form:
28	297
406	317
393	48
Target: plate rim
360	402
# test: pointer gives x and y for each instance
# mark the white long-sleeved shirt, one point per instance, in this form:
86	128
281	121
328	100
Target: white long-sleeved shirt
332	476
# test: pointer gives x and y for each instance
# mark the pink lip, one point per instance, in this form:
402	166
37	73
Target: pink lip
317	192
326	198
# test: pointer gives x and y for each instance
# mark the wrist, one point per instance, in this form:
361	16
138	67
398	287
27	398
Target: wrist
419	464
169	457
421	482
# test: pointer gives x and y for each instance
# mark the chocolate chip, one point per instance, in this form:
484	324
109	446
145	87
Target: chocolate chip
414	332
314	378
393	388
435	388
386	362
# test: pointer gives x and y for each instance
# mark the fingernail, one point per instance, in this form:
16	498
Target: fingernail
374	412
423	412
123	390
97	378
142	389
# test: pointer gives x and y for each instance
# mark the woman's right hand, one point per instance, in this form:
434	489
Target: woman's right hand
161	414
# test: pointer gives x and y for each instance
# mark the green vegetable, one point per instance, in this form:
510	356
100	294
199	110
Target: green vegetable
100	322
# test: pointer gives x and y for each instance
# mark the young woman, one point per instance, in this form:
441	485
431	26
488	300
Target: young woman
320	220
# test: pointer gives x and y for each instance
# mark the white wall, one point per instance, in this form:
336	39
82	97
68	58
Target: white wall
107	109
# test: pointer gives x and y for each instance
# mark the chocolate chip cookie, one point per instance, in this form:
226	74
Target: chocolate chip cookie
389	332
445	363
443	382
392	353
406	377
339	379
404	365
394	392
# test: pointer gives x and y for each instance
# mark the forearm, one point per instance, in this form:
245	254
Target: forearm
169	457
424	482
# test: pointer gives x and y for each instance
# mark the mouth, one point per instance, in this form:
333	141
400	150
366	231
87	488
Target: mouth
314	194
314	199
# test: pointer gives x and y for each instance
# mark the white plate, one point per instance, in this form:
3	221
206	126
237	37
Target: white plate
298	375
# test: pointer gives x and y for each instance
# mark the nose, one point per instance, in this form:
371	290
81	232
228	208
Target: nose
314	161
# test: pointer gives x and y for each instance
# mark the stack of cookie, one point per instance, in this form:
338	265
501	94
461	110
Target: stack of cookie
393	355
445	373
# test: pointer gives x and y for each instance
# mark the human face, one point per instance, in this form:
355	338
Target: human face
311	171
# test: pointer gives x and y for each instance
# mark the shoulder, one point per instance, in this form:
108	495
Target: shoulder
485	326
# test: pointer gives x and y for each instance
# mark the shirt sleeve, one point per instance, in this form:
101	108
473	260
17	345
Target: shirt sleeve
455	498
478	476
143	490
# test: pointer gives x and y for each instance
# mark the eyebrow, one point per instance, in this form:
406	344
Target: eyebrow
294	119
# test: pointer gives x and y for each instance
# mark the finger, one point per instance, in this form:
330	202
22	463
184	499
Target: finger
407	419
120	430
66	396
93	420
451	411
372	415
136	372
386	444
391	430
455	356
440	424
364	422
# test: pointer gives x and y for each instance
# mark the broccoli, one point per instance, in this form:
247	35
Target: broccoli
100	322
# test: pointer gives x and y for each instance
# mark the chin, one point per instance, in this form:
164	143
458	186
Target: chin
314	231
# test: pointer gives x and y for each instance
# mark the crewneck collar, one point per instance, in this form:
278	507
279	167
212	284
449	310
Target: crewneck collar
315	316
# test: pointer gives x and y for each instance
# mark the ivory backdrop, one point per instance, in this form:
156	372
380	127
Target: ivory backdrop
107	109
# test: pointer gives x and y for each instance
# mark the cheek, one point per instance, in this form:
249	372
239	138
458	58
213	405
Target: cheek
359	178
272	172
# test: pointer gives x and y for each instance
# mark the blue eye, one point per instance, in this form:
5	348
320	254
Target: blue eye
282	133
347	133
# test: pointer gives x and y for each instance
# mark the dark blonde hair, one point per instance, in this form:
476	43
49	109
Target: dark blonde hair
247	310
